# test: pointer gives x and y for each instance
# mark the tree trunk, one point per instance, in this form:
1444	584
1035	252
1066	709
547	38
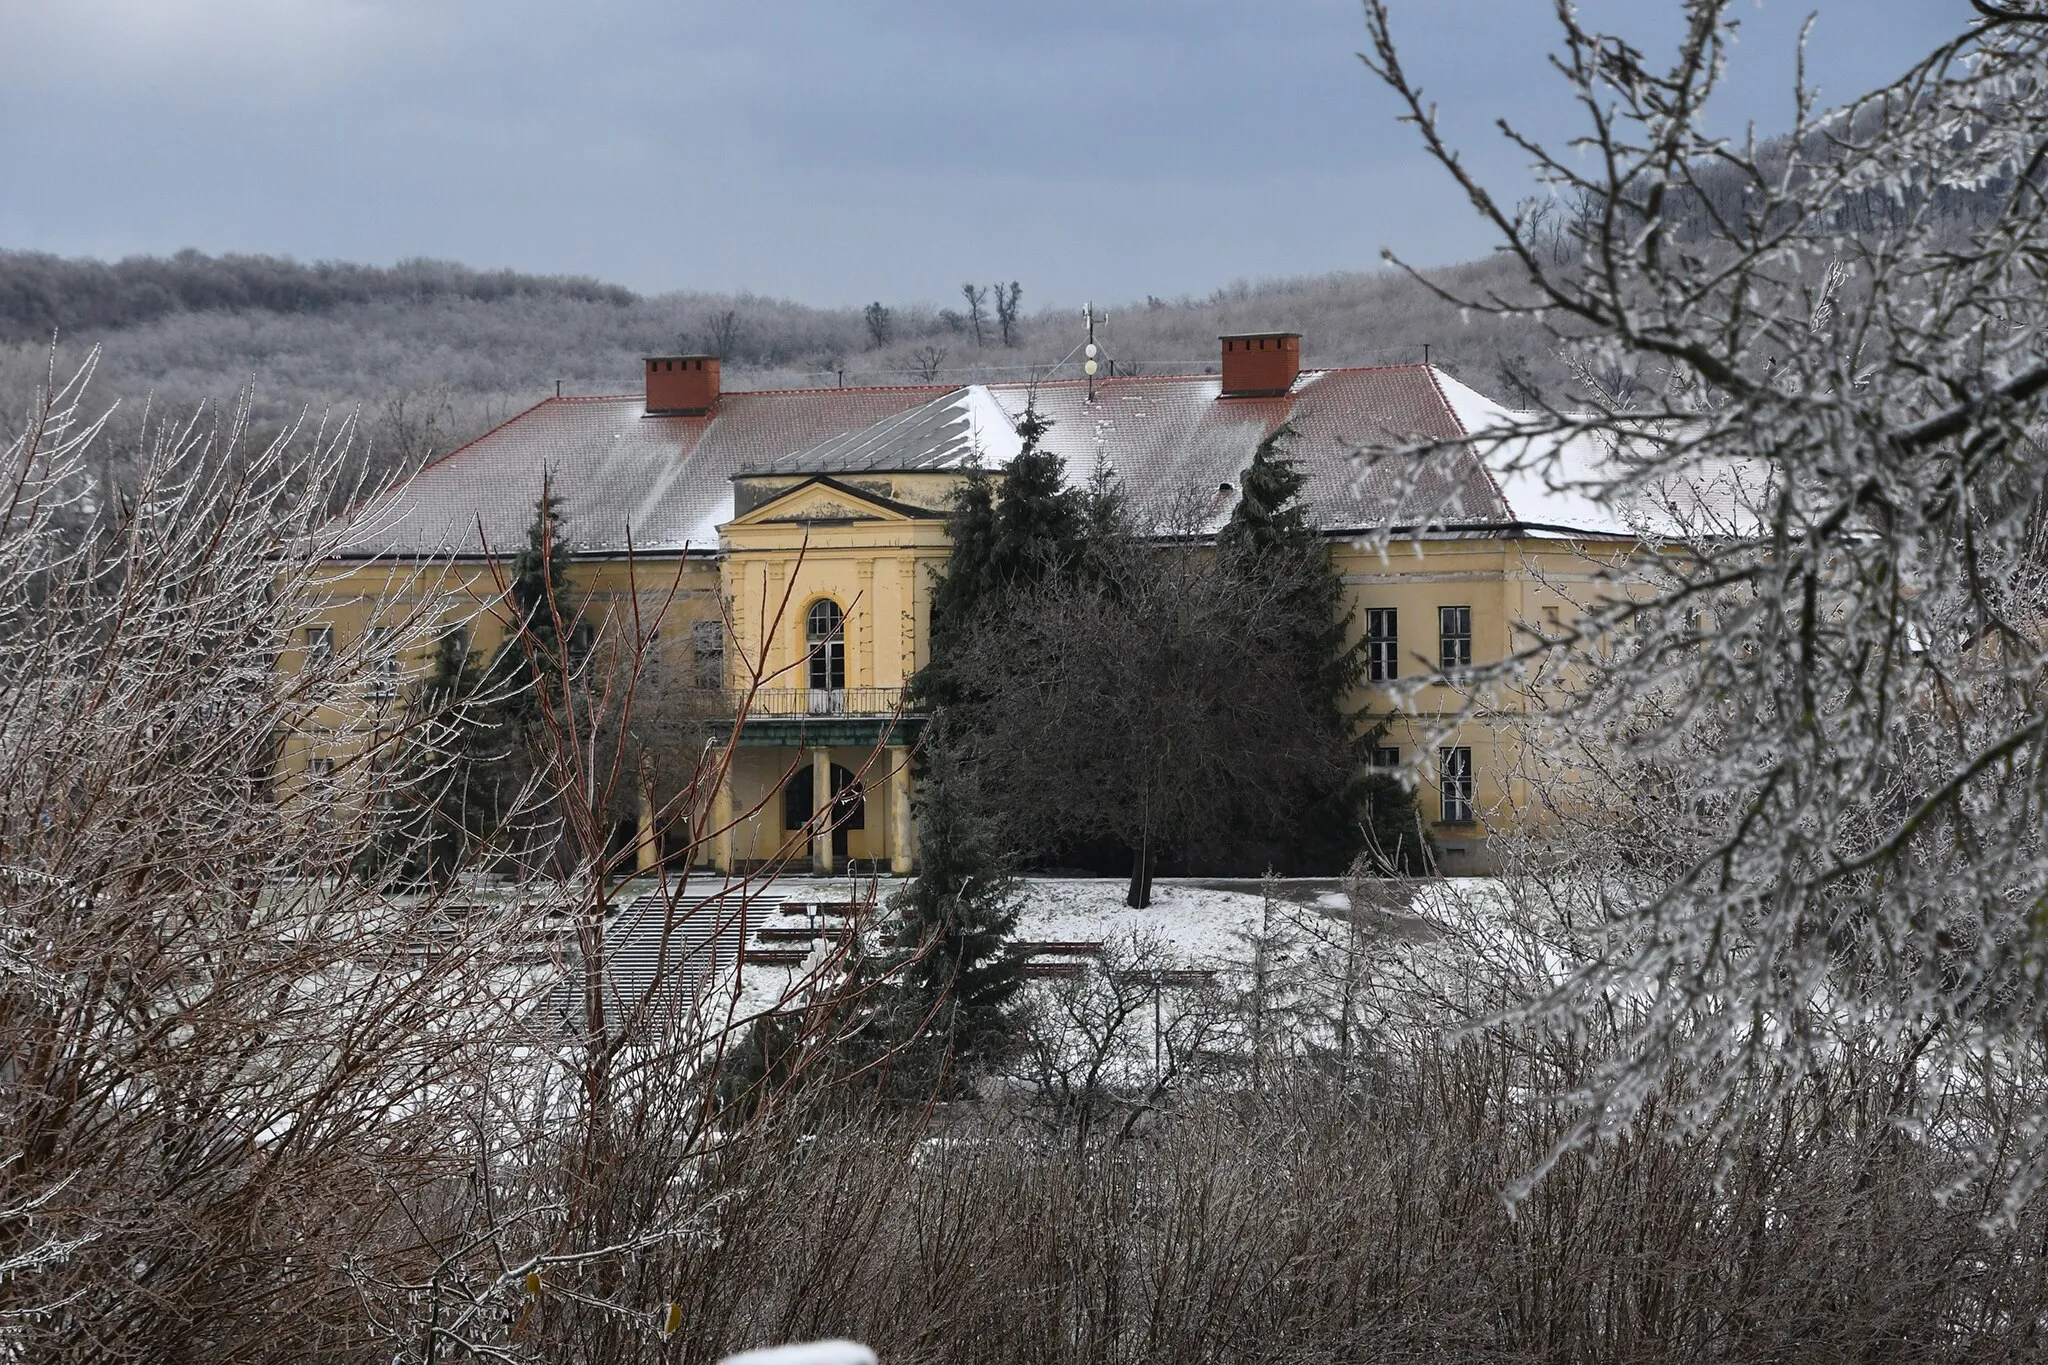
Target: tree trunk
1140	894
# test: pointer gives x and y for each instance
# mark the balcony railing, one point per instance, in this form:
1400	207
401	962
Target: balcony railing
772	702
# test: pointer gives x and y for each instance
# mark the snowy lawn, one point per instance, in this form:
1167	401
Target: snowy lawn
1198	920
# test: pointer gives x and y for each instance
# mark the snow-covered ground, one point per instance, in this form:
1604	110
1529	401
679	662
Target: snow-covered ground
1197	919
1193	923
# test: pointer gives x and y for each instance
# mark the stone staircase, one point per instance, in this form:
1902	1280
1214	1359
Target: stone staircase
661	953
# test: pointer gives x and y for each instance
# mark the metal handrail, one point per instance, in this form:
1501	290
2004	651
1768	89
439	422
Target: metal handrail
770	702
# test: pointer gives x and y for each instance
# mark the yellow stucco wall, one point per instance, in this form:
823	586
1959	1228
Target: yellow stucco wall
1515	588
795	543
421	602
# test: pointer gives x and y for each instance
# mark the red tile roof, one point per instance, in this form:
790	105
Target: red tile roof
668	479
612	468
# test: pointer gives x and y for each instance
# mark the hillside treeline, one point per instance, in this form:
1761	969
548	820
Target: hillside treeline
41	294
428	354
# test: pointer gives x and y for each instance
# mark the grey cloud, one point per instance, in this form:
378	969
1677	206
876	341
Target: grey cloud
829	151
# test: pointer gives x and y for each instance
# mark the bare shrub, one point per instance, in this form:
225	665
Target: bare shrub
252	1105
1306	1227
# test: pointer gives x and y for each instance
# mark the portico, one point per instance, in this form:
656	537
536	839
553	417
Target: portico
829	584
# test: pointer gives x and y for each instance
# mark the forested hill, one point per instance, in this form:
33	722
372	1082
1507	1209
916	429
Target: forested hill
429	353
42	294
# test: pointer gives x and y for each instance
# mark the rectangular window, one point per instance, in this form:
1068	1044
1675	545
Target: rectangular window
1382	644
1386	756
707	653
319	769
319	646
1456	780
1454	639
382	658
582	640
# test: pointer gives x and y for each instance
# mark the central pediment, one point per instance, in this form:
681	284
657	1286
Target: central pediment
823	501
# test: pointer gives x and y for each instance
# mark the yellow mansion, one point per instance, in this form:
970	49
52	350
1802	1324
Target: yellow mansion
799	532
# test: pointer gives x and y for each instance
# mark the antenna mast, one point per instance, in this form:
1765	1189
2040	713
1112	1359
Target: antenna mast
1088	366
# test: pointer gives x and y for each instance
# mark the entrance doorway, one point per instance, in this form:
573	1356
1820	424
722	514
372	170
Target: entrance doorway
849	806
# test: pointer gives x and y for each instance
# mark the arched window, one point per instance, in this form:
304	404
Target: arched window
825	632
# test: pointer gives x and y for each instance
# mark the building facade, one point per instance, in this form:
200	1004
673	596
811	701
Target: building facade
789	540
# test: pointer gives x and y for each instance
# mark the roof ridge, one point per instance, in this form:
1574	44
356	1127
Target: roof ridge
1104	381
753	393
1485	467
934	388
1437	387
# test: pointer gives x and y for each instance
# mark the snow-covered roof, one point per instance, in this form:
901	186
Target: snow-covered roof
1582	483
966	425
666	480
1168	440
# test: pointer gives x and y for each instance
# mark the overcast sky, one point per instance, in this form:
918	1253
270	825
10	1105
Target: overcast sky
832	151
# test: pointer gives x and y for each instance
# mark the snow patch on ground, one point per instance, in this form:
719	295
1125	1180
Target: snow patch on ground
1190	920
806	1353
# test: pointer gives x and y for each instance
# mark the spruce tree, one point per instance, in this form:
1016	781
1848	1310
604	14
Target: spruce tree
955	1010
958	594
957	976
531	659
445	794
528	676
1039	521
1270	533
1007	532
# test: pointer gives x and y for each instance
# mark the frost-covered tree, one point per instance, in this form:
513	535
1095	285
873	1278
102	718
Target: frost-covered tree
255	1107
1811	706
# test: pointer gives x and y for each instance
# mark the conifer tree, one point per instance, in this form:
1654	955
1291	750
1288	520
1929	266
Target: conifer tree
958	976
1039	521
445	793
1270	533
541	603
1007	531
958	594
955	1010
528	674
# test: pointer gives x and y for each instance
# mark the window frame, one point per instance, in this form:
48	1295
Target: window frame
1382	646
380	645
1455	785
1454	640
707	653
825	652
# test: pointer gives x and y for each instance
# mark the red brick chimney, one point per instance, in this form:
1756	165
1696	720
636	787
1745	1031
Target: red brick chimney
1260	364
681	385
